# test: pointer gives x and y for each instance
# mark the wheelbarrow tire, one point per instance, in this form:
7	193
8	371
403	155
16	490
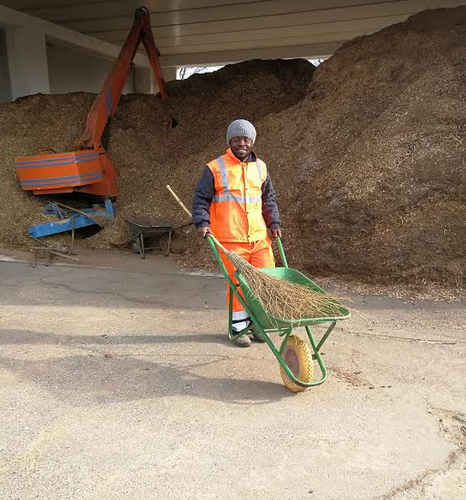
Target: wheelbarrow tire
298	357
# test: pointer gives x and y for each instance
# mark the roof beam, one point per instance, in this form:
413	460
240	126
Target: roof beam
117	27
116	10
10	18
311	51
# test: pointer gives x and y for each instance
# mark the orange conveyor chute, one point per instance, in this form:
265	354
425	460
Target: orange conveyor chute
90	169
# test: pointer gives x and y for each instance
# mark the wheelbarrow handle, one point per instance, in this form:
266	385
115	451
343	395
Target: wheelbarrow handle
211	238
281	251
213	242
216	242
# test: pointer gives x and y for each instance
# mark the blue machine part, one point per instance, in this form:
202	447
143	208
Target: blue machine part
69	219
54	209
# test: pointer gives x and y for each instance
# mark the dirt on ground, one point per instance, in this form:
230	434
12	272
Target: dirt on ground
367	153
110	389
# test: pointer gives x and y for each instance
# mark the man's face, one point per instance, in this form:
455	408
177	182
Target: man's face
241	147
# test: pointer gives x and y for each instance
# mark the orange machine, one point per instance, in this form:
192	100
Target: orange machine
90	169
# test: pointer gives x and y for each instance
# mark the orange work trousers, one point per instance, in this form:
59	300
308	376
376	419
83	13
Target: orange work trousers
257	253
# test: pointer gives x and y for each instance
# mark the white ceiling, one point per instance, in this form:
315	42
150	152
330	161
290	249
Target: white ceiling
219	31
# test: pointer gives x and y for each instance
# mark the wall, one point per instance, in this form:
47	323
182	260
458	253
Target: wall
5	84
72	69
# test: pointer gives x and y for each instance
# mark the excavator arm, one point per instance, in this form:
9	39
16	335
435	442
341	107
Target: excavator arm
106	102
90	169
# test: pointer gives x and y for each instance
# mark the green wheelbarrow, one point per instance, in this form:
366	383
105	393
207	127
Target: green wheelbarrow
294	354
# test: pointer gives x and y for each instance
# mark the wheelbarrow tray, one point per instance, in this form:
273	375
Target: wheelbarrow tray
268	321
145	227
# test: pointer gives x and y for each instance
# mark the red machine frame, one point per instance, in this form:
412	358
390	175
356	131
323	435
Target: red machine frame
90	169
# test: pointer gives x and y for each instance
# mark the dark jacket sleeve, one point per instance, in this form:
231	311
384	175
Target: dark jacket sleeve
269	204
203	196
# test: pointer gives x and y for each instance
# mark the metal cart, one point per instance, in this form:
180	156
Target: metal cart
295	358
147	227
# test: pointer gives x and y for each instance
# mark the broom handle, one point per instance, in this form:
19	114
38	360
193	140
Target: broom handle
225	251
179	201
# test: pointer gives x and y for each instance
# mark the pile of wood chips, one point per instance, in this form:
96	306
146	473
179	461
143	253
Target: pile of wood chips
367	153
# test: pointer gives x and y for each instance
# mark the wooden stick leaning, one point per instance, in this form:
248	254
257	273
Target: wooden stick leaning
279	298
80	212
179	201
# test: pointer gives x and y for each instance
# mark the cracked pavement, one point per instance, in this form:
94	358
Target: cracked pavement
120	383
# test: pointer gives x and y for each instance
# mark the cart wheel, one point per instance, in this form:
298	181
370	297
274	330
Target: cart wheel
298	357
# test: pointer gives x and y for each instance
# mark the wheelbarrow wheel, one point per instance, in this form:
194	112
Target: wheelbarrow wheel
298	357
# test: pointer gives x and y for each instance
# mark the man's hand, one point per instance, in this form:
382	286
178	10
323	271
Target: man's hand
204	230
276	232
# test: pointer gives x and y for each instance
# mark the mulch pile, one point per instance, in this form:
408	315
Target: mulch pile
367	153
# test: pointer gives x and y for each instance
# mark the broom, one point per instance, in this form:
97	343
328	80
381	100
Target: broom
279	298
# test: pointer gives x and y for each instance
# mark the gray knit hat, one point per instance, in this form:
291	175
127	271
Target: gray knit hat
241	128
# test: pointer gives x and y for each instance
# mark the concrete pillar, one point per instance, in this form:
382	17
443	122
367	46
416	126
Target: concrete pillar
5	85
27	61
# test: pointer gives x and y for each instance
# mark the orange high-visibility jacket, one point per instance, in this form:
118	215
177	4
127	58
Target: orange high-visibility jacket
236	209
237	200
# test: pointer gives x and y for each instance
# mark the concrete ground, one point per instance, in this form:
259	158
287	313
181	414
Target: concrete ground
121	384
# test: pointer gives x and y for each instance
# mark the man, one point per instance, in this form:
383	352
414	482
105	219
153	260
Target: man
235	201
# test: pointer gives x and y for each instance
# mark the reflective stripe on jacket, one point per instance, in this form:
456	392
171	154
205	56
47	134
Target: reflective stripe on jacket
236	208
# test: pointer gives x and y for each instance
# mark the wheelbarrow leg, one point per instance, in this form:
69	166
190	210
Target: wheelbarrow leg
230	315
316	348
141	246
250	330
169	241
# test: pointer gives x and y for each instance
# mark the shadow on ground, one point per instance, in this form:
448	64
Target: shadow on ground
100	377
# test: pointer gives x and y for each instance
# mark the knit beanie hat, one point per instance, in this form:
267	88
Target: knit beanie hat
241	128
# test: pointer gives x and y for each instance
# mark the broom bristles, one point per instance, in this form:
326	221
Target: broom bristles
284	299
